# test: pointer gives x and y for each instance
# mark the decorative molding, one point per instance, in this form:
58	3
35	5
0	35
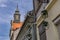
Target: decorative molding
57	20
45	23
39	22
50	4
42	17
44	14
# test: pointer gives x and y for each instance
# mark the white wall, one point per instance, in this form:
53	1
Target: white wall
52	33
16	34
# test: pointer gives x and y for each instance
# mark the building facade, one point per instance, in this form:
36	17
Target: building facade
15	25
48	19
27	30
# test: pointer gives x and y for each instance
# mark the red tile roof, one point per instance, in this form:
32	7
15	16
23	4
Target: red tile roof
16	25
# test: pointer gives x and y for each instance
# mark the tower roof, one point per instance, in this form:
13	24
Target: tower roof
17	10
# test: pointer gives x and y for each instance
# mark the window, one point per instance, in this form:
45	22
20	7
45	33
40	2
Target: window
56	21
27	35
42	32
17	17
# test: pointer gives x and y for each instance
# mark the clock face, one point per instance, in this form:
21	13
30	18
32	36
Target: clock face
17	17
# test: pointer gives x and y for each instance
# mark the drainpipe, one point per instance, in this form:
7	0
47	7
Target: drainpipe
34	34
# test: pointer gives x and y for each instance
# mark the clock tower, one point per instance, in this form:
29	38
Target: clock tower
17	15
16	25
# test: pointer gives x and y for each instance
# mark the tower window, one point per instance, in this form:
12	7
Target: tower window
17	17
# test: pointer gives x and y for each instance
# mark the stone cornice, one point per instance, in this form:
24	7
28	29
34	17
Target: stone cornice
39	20
50	4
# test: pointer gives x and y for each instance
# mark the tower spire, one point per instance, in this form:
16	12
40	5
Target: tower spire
17	15
17	10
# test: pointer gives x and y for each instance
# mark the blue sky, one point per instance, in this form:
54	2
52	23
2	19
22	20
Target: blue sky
7	9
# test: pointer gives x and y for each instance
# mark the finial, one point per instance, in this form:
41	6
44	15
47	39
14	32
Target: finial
17	8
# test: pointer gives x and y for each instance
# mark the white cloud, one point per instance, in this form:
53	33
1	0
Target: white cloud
2	20
5	18
15	1
3	5
3	1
